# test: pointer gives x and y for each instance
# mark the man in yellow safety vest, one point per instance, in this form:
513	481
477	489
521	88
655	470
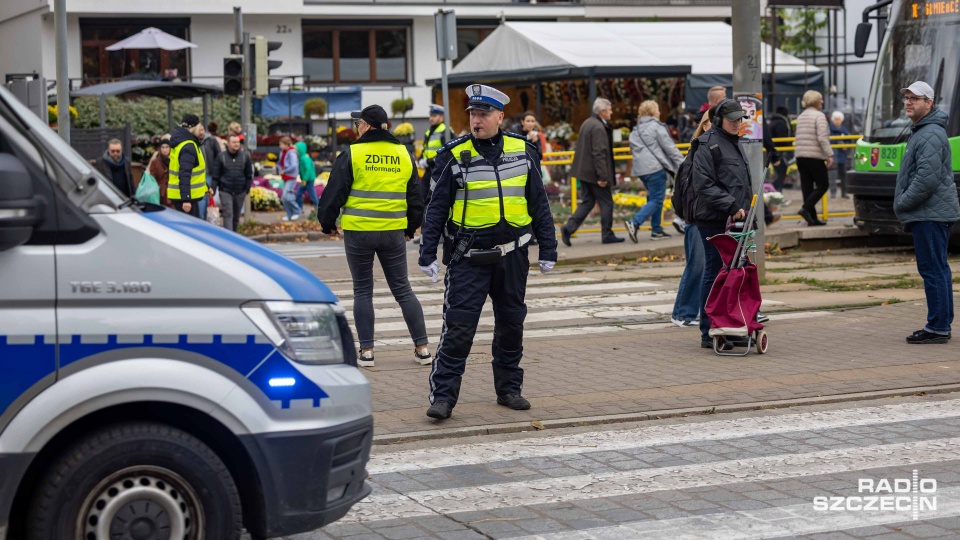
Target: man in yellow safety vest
376	185
488	203
433	141
188	170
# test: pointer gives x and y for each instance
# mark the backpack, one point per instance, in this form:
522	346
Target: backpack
684	198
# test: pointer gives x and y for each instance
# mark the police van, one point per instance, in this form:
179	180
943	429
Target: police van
160	377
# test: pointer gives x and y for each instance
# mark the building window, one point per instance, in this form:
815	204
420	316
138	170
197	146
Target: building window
101	65
468	37
334	55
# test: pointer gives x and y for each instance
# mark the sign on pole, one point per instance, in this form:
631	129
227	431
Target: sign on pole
445	22
747	90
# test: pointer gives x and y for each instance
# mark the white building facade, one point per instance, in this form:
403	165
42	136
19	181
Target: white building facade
388	47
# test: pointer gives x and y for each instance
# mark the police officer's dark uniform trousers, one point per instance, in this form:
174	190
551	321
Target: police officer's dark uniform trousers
497	196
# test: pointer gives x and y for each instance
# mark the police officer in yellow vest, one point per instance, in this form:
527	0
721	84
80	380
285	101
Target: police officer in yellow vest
187	183
376	185
488	203
433	141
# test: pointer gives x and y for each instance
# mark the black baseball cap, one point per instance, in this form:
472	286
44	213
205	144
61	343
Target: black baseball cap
374	115
731	110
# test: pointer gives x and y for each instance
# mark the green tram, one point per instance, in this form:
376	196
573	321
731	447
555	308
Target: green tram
922	42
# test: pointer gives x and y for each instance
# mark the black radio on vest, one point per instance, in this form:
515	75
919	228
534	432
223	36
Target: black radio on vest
465	239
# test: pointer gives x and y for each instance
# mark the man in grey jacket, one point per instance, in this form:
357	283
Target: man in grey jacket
926	202
593	167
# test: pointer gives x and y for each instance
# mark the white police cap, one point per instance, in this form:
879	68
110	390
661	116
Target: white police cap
486	98
436	109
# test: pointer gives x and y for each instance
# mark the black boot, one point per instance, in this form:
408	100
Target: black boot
514	401
440	410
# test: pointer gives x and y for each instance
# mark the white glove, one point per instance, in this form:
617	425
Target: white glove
432	271
423	163
546	266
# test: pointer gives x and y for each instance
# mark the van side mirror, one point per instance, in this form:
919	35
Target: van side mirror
20	209
860	41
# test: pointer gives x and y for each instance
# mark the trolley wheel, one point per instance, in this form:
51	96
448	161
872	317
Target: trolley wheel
761	341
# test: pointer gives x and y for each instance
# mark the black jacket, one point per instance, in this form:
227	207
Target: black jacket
120	175
232	173
438	212
188	159
721	188
341	182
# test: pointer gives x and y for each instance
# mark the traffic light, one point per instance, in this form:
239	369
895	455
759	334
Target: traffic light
233	75
263	65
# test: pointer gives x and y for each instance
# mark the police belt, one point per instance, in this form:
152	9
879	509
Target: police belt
503	248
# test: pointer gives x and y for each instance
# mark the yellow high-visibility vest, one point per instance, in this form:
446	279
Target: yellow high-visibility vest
481	190
198	176
432	143
378	196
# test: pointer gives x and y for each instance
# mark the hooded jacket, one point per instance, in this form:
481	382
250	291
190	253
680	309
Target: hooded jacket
926	189
721	188
188	158
308	170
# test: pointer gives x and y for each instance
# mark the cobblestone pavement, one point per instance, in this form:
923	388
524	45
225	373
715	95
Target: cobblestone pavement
745	475
599	343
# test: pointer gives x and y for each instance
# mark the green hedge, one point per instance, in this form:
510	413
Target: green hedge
148	115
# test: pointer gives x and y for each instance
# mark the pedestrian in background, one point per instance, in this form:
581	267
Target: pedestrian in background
211	151
723	192
382	208
490	231
188	170
779	128
593	167
289	165
839	156
235	129
534	132
433	140
925	201
654	155
116	167
232	177
159	168
814	155
308	175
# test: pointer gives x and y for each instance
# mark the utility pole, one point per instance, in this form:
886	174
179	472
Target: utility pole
238	39
747	88
63	78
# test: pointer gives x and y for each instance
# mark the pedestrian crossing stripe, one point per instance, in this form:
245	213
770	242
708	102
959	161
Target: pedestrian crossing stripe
657	435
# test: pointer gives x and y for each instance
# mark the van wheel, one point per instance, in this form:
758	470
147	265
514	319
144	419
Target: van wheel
136	481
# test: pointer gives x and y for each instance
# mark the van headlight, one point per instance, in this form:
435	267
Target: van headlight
306	333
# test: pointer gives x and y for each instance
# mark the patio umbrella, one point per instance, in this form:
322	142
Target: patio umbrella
152	38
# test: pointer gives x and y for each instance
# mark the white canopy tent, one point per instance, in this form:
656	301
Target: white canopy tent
533	52
518	51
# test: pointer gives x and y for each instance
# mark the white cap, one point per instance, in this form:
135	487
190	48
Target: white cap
486	98
919	88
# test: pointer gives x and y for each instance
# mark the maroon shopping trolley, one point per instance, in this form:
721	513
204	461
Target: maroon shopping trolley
734	300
